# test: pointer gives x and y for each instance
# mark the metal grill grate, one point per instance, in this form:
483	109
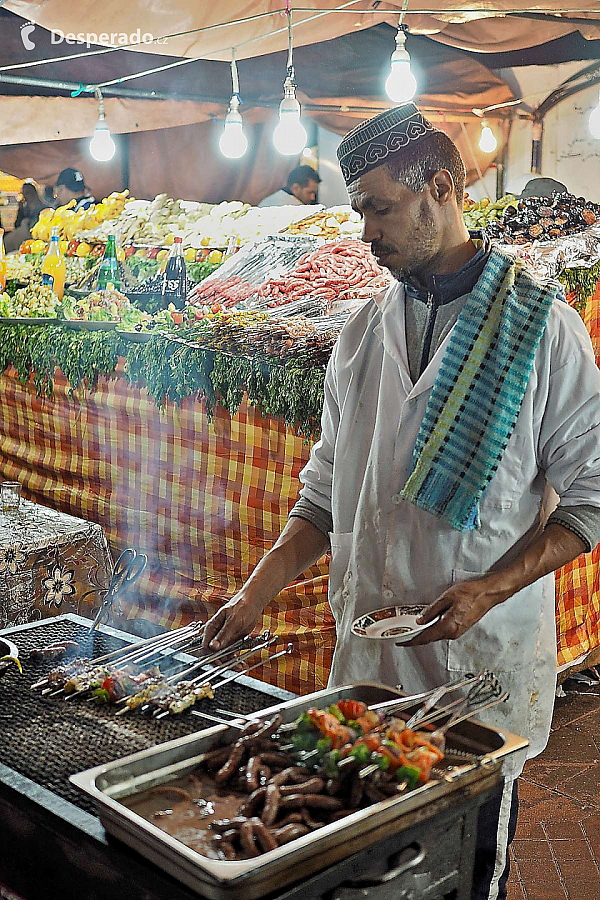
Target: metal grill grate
49	739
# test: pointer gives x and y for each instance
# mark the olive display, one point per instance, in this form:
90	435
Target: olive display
544	219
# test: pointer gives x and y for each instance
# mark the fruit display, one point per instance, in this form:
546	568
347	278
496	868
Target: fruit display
544	219
199	225
338	221
71	223
481	213
33	301
336	271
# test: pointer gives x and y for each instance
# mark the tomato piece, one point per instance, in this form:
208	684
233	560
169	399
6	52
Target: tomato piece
352	709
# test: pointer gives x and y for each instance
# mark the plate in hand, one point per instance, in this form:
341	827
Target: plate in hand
394	623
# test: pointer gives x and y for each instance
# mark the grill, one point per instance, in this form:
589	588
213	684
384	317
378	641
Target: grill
43	818
76	734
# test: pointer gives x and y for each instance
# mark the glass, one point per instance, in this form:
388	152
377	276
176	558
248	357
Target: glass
10	495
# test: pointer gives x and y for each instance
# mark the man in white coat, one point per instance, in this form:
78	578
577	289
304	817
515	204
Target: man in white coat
453	403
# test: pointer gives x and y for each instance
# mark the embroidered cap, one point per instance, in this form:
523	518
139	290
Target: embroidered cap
371	143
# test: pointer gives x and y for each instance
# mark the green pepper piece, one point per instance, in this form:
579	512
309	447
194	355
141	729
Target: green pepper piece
409	774
323	745
102	695
361	753
381	760
336	711
330	763
304	740
303	722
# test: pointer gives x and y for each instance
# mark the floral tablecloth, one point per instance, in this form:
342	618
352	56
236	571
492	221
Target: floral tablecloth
49	563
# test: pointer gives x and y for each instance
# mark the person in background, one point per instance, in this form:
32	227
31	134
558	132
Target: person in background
70	185
543	187
30	206
49	196
301	188
28	213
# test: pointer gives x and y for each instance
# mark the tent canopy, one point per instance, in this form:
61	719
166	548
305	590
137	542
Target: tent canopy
258	28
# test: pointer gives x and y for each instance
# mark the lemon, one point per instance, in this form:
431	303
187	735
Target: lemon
189	255
205	242
84	249
169	240
162	254
38	246
215	256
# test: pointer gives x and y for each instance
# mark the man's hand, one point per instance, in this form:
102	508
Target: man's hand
234	620
460	607
464	604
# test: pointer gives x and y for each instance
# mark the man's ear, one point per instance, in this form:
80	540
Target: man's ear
441	186
295	188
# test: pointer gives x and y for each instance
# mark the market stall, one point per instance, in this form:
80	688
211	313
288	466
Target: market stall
185	438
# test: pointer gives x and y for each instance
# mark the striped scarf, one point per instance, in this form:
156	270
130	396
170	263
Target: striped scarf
475	401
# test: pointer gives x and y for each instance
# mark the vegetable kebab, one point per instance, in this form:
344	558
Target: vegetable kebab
349	732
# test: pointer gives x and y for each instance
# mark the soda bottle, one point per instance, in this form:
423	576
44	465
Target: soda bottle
2	262
108	272
54	267
174	285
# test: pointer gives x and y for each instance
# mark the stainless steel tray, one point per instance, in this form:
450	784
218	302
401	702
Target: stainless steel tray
222	880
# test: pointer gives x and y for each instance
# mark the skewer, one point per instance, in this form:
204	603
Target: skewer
124	654
160	714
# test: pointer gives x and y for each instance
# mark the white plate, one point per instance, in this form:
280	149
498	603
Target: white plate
394	623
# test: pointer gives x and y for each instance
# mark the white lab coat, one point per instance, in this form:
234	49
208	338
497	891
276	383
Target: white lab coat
386	550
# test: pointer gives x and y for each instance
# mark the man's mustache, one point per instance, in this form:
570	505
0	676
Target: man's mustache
381	249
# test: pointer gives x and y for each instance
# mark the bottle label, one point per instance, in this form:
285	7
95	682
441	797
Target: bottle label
48	280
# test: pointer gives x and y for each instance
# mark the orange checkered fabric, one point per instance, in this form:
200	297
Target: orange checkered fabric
203	501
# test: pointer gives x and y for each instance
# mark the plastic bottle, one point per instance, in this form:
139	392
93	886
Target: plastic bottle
108	272
174	285
54	267
2	263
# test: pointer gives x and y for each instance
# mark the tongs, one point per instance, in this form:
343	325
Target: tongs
128	567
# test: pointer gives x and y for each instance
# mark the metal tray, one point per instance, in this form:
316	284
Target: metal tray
221	880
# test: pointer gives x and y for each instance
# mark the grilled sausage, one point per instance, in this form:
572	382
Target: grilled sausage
316	801
274	759
247	839
264	836
293	817
308	820
290	774
289	833
252	772
265	731
230	767
264	775
312	786
272	798
253	803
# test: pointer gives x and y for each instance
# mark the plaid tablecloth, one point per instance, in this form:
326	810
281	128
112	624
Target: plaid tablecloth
49	563
578	583
203	501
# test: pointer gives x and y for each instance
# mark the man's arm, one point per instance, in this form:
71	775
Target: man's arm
462	605
300	544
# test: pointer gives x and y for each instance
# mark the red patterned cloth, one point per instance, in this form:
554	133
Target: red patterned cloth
203	500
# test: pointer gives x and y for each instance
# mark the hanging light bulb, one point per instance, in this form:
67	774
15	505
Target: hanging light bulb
594	121
233	143
290	135
102	146
401	84
487	141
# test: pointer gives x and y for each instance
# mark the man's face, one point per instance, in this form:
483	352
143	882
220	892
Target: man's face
306	194
401	226
63	194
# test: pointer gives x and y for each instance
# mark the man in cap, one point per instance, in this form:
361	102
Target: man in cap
452	402
70	185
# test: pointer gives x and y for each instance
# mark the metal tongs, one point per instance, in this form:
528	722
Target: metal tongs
128	567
